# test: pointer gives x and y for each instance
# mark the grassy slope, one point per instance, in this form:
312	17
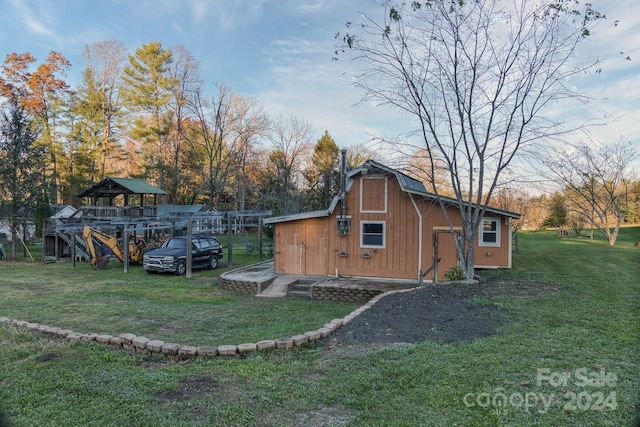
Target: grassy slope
591	323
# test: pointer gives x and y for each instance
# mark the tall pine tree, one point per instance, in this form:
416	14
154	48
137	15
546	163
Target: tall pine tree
20	170
323	175
147	92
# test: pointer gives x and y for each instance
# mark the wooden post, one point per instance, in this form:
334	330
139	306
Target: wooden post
435	257
229	240
260	239
189	244
56	245
125	248
73	248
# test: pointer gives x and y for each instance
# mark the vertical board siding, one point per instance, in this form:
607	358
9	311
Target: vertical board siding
373	194
313	246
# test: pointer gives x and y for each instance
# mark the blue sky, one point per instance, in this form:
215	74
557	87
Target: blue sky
279	51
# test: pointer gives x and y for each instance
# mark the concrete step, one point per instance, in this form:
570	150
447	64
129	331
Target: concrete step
299	294
302	287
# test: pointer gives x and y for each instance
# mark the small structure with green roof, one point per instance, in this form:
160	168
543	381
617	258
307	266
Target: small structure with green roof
105	194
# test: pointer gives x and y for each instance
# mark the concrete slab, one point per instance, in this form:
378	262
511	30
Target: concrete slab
280	284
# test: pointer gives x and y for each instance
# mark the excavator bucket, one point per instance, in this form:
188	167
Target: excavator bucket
101	263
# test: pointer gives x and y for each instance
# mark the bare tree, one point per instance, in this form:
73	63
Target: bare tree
360	153
292	141
476	76
594	182
225	128
420	166
247	131
281	178
185	71
213	117
515	200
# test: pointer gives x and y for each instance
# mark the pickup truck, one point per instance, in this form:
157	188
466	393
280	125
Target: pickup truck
171	256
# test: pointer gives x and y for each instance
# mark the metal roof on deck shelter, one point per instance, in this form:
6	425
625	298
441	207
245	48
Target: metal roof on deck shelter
116	186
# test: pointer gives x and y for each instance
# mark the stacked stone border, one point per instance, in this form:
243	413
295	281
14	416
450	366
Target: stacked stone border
321	290
228	283
178	352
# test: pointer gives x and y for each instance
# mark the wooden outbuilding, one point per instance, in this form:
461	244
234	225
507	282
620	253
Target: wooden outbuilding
387	225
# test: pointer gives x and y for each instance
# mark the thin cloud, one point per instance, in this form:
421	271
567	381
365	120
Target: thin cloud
32	17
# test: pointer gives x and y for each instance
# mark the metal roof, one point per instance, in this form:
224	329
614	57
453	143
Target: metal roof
115	186
298	216
407	184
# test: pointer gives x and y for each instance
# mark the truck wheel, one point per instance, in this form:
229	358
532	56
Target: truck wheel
181	268
213	263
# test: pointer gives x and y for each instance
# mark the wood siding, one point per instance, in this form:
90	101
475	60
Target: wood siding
374	194
315	247
301	248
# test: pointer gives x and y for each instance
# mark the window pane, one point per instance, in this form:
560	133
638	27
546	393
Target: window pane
372	228
490	237
489	225
372	239
373	234
490	232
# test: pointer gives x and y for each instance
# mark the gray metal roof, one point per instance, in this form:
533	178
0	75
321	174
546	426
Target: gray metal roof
298	216
115	186
407	184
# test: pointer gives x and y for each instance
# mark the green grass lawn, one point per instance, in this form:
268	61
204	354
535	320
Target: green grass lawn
560	358
159	306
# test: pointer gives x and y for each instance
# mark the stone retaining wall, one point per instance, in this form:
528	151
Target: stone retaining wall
342	293
177	352
244	287
347	293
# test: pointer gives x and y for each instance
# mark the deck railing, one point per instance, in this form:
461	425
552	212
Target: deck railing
110	212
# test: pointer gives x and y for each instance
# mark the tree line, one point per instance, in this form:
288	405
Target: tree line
150	115
477	101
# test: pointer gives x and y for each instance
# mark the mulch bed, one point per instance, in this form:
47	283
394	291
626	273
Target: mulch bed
442	313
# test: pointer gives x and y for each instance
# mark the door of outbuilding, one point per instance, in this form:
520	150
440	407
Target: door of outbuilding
304	248
444	248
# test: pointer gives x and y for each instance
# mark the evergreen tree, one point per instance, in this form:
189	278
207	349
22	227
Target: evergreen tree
20	167
557	216
147	92
323	175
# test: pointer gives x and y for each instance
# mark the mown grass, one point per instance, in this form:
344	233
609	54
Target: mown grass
159	306
588	326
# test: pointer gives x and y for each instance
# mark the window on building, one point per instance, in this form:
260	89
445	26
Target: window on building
490	232
372	235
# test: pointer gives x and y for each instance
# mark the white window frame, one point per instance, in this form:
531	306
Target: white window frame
384	235
386	194
481	232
